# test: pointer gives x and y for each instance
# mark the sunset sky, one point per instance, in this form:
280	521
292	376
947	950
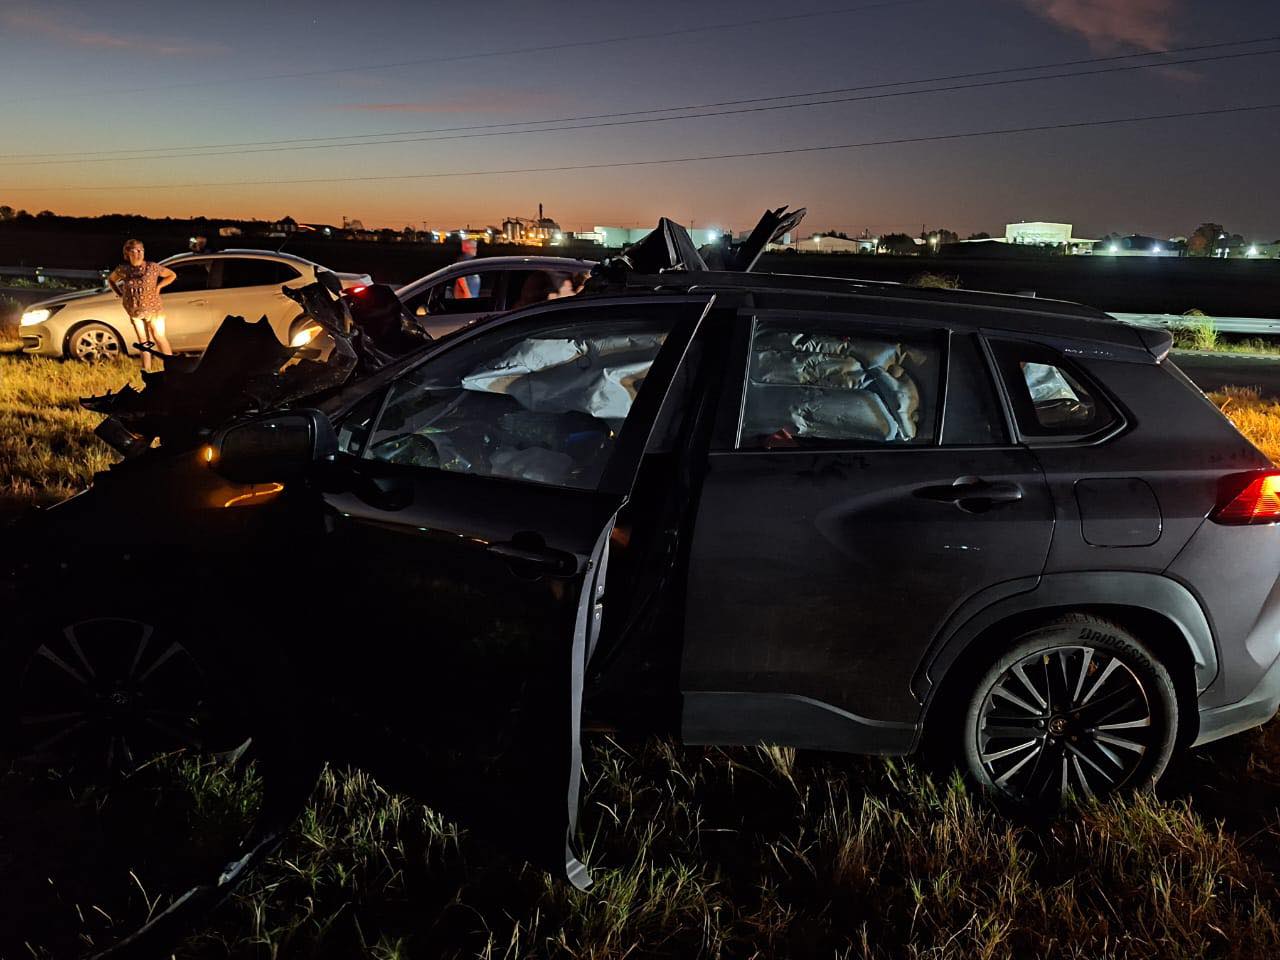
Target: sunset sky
140	79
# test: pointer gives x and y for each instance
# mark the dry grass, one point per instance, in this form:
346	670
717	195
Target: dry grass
47	447
696	852
1258	418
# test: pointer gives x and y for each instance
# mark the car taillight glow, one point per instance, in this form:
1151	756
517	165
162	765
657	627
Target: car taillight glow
358	288
1249	498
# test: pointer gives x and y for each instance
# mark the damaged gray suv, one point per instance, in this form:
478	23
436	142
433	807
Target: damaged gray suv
722	506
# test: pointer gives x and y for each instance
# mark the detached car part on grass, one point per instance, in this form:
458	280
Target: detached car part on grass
987	515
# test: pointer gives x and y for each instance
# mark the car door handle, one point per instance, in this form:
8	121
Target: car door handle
973	494
527	558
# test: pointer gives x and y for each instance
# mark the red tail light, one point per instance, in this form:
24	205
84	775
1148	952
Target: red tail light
358	288
1249	498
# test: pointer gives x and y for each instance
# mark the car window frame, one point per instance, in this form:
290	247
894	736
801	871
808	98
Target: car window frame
220	265
446	283
985	370
1121	418
386	383
207	262
728	429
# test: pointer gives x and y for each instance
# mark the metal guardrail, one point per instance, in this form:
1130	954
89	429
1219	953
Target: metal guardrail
35	273
1253	326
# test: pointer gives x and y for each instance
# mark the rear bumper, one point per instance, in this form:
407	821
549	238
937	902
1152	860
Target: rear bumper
1255	709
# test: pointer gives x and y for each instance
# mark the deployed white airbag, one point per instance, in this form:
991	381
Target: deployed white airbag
599	376
1047	383
532	463
851	387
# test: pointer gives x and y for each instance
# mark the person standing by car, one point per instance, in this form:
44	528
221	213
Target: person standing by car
138	282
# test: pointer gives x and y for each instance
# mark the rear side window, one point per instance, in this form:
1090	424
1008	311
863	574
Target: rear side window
829	384
191	276
1051	398
256	273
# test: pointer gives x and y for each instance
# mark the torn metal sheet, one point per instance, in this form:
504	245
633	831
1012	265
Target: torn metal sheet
667	247
771	228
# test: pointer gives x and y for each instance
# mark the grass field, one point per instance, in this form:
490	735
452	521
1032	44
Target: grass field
696	852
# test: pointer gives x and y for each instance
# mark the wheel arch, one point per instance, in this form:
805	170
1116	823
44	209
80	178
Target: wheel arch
77	325
1159	611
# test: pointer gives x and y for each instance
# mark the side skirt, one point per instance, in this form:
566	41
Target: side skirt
716	718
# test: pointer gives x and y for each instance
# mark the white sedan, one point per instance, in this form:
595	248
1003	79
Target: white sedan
92	325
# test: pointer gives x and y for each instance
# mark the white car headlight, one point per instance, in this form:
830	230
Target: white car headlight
32	317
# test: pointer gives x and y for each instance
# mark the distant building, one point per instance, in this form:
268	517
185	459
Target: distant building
818	243
540	232
1039	233
624	236
1137	245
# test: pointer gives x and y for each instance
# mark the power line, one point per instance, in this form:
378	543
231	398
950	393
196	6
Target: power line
513	51
786	151
84	155
646	120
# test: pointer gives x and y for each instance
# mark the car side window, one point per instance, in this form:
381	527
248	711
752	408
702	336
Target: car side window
540	403
1050	396
353	429
828	383
527	287
191	276
247	272
469	293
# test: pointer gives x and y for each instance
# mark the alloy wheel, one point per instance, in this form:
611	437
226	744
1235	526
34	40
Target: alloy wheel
1069	720
109	693
96	344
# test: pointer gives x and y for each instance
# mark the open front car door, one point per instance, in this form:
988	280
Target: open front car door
470	518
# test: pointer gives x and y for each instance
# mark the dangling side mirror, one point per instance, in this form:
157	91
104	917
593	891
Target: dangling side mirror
276	447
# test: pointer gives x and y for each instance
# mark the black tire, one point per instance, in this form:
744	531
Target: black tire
104	691
1078	707
93	342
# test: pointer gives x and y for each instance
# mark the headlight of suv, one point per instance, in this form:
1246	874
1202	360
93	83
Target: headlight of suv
32	317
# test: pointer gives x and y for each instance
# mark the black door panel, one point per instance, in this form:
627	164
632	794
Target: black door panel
824	564
476	655
826	575
471	598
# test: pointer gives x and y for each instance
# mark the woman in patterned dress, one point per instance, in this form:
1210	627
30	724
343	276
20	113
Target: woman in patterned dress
138	282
